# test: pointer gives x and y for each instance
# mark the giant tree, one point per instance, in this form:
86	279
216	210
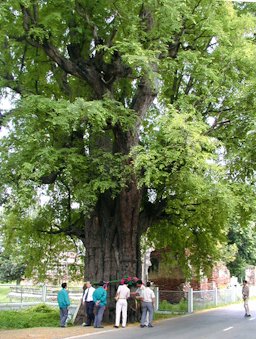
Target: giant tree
117	122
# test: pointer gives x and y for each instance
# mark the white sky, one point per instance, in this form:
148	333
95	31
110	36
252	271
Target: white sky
241	0
5	103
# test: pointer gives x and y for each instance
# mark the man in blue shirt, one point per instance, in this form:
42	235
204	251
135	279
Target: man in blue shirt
64	302
100	300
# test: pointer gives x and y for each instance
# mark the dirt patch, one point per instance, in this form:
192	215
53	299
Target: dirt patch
48	332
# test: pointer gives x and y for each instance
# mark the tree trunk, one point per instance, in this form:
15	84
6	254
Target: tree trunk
112	237
112	241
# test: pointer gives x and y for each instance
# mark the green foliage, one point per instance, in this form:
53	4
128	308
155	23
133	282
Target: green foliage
11	268
182	306
245	240
86	124
38	316
27	237
180	171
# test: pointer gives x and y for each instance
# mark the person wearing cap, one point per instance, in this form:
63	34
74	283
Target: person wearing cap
64	302
122	294
89	303
100	300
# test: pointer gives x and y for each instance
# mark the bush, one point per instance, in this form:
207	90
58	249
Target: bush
182	306
38	316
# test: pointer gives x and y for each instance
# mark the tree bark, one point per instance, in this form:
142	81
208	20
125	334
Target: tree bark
112	236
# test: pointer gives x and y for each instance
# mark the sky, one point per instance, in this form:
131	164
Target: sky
241	0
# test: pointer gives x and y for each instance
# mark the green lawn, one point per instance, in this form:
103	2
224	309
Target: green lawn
38	316
4	294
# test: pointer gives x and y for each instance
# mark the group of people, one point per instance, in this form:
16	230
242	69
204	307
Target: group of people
95	301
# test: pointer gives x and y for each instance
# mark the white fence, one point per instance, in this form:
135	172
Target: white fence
19	296
190	301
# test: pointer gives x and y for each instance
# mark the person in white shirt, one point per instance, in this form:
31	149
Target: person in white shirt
122	294
89	303
148	302
139	296
140	289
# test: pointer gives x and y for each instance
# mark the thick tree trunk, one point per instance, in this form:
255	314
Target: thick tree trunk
112	237
112	241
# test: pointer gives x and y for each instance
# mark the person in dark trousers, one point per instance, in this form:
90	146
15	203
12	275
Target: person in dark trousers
89	303
100	300
64	302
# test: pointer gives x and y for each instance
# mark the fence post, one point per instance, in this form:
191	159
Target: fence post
21	296
44	291
234	294
216	296
157	298
190	300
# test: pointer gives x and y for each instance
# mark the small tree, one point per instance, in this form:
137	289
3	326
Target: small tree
11	269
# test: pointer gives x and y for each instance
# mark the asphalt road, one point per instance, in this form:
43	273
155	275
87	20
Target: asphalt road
222	323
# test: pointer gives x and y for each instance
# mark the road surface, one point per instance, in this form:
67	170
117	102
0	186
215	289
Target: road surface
221	323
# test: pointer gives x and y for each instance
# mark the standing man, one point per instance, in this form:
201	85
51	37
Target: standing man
139	297
122	294
148	303
245	293
100	300
64	302
88	303
140	289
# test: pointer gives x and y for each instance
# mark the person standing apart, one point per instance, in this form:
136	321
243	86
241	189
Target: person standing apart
122	294
89	303
100	300
245	293
148	302
64	302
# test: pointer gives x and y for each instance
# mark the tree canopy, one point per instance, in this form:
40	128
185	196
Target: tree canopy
131	117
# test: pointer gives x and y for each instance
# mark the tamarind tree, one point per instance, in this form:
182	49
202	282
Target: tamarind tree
130	118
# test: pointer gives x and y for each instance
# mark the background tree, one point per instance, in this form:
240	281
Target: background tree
11	269
245	240
113	124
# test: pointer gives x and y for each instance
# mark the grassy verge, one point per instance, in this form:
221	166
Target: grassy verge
38	316
161	316
182	306
4	294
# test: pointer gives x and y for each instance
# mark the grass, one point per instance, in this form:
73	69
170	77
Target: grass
4	294
182	306
161	316
38	316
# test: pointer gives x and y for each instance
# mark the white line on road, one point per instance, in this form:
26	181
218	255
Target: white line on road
88	334
228	328
252	318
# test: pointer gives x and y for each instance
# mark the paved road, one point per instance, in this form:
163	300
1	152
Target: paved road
224	323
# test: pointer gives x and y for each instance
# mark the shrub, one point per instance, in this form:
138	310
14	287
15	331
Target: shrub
182	306
38	316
